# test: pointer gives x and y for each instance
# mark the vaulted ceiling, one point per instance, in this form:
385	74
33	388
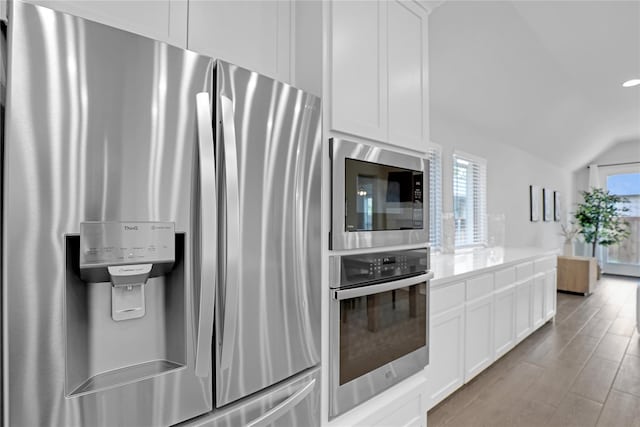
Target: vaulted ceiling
545	76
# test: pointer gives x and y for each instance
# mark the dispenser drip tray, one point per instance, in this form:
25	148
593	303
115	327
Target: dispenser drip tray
123	376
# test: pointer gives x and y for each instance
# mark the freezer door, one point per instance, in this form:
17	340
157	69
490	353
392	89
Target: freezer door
295	402
102	126
269	157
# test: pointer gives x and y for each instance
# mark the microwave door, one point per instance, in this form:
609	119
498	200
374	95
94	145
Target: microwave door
377	197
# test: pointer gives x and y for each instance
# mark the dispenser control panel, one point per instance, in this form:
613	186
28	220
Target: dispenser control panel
114	243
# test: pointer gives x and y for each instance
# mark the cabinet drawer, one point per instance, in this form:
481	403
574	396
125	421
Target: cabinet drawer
505	277
545	264
479	286
524	271
447	297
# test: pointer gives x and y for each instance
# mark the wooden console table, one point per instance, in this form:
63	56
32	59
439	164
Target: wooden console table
577	274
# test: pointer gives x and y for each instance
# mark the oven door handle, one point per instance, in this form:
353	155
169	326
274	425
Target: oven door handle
382	287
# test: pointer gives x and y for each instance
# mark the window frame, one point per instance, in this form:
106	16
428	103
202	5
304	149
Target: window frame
478	233
434	155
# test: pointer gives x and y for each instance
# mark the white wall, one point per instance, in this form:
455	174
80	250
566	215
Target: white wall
510	171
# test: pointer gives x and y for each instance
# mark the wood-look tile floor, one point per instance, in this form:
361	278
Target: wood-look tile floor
581	370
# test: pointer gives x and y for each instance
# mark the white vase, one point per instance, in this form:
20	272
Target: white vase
567	249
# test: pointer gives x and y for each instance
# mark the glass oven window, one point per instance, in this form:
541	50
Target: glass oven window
380	197
380	328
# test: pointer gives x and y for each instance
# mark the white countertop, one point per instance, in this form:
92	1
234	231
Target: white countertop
463	264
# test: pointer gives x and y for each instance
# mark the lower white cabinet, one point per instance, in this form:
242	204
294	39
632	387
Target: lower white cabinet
537	302
523	309
445	373
403	405
478	341
504	320
550	294
478	319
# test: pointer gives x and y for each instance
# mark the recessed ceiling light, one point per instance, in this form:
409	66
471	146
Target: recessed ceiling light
631	83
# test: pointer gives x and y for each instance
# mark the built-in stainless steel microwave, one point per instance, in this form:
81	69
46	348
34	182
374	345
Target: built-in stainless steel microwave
379	197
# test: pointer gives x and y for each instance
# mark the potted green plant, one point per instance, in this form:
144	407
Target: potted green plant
600	218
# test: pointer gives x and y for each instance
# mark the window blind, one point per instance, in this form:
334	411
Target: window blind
434	155
469	200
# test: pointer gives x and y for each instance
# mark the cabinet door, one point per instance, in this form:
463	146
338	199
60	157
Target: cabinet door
523	309
408	74
446	355
537	303
358	74
550	294
160	20
504	316
252	34
478	342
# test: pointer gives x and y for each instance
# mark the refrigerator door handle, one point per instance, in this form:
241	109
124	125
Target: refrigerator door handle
284	407
208	238
232	253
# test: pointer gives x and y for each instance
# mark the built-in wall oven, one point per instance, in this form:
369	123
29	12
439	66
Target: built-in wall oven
379	313
378	197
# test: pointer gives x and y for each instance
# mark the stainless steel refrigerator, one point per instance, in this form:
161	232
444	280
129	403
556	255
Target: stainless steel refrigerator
161	234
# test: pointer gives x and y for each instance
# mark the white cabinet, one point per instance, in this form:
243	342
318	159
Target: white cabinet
164	20
445	373
406	414
550	294
504	320
378	68
408	75
358	63
251	34
537	302
478	343
478	319
402	405
524	295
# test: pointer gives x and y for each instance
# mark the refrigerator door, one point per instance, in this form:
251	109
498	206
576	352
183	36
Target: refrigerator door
102	125
268	155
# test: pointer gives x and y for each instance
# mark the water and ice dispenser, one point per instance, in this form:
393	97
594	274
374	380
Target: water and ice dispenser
125	304
126	254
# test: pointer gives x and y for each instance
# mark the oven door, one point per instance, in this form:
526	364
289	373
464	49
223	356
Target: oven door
378	197
378	337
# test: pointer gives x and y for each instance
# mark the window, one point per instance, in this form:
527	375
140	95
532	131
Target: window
434	154
469	200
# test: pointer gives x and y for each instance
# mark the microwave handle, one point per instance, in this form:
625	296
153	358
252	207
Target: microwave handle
207	237
382	287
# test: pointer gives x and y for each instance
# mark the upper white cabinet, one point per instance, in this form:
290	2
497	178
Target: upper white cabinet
358	68
407	80
378	66
252	34
164	20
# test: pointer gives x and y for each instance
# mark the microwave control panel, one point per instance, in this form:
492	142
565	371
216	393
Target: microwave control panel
105	244
348	270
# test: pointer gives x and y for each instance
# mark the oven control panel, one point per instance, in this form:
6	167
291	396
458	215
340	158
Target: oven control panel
348	270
